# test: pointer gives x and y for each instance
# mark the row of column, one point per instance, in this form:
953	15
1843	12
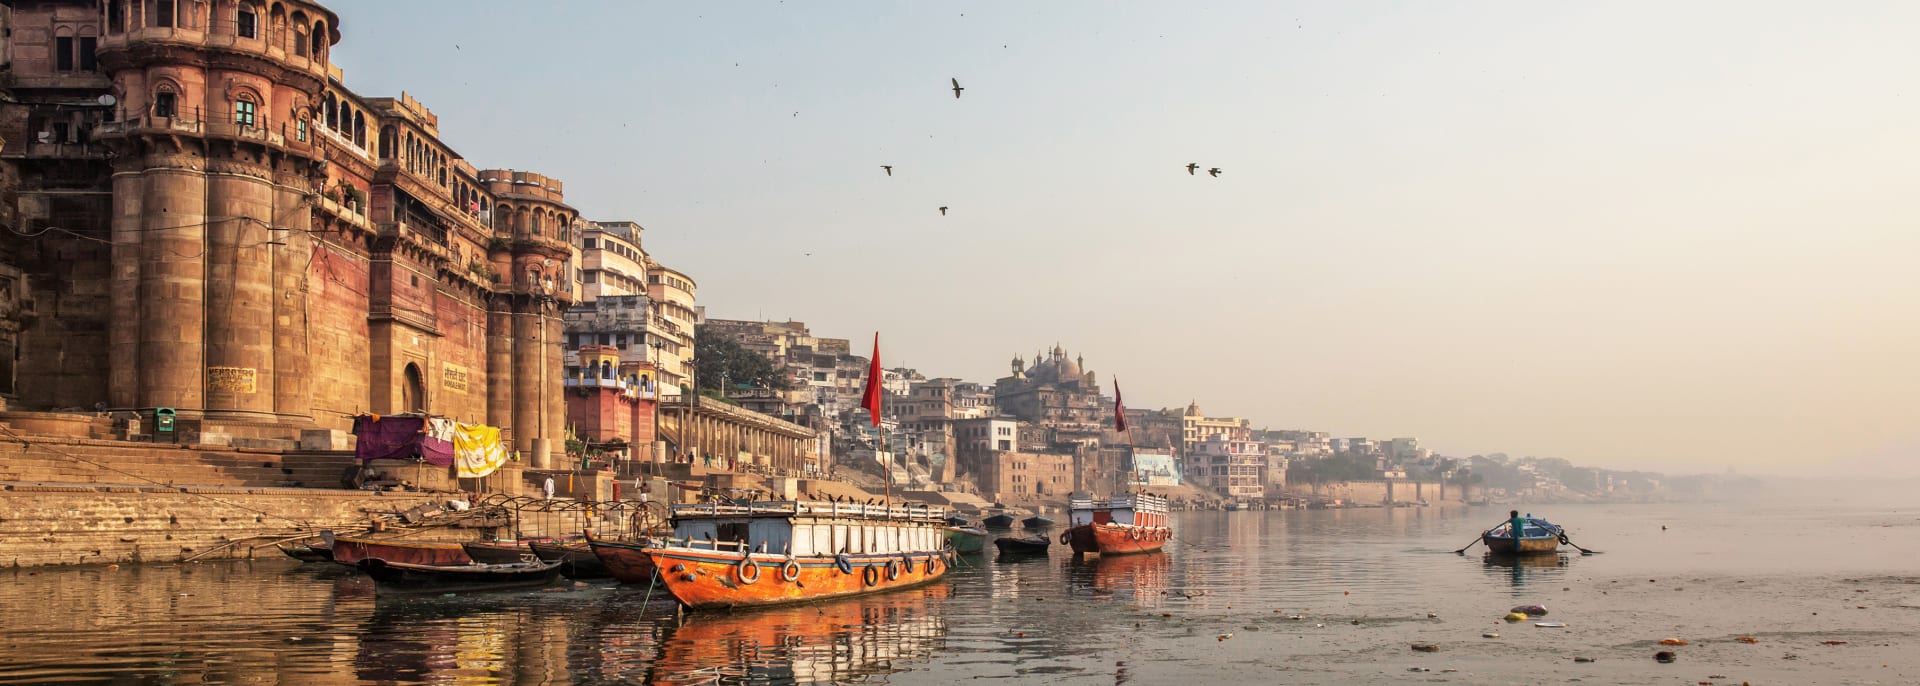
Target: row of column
725	440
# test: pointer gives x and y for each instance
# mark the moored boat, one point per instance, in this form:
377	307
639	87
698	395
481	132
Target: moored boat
1037	522
625	560
966	539
770	553
576	559
497	552
350	550
1120	525
958	520
1539	536
999	521
401	577
308	552
1022	545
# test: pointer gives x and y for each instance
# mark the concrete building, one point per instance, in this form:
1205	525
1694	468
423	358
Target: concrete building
244	240
1196	428
1229	467
1056	392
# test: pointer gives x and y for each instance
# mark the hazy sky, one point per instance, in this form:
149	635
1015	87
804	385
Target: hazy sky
1668	235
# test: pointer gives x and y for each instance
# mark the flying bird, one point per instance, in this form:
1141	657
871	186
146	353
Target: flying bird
956	88
943	210
1213	172
1192	167
889	169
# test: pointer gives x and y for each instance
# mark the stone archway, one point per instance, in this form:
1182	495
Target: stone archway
413	394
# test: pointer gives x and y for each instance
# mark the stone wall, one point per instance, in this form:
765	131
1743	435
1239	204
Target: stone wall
97	524
1375	492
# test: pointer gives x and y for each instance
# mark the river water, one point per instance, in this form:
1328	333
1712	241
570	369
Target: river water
1829	594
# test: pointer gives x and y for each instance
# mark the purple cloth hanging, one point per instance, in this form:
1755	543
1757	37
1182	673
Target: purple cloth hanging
401	437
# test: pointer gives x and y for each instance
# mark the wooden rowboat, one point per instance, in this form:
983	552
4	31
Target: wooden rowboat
999	521
966	539
498	552
1022	545
350	551
401	577
1037	522
626	561
1539	536
308	552
576	559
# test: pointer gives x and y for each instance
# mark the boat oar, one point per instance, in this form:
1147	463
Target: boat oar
1583	551
1463	549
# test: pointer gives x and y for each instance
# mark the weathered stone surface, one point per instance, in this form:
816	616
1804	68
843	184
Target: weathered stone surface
325	439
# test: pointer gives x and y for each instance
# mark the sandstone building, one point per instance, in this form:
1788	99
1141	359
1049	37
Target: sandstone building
204	217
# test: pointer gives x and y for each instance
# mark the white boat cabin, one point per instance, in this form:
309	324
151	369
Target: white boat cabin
804	529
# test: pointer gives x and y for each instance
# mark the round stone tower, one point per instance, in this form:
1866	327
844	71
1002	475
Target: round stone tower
214	176
532	243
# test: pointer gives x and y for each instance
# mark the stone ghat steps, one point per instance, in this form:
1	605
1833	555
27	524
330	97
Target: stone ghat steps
71	461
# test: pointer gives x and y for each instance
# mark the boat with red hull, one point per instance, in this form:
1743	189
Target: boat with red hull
773	553
627	561
1121	525
348	550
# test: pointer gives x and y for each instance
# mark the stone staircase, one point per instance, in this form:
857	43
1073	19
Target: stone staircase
85	461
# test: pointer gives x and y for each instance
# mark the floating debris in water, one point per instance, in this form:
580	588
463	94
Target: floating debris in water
1426	647
1663	656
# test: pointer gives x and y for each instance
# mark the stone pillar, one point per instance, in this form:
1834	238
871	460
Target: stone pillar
526	381
173	306
499	373
553	381
292	390
240	302
123	294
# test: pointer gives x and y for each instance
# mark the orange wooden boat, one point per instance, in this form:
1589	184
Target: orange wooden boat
771	553
350	551
1121	525
625	560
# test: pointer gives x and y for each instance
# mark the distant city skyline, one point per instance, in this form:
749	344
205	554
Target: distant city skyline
1672	239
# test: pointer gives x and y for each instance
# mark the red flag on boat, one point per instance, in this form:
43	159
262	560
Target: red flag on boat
1119	408
870	398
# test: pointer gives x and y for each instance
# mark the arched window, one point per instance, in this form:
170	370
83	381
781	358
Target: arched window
277	26
247	22
413	396
161	12
165	102
329	112
320	41
300	43
535	228
243	109
386	142
360	129
606	369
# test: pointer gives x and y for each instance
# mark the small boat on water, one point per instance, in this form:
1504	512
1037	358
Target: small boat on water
1037	522
1233	507
1022	545
966	539
999	521
1537	537
401	577
1120	525
498	552
308	552
576	558
777	552
958	520
624	560
350	550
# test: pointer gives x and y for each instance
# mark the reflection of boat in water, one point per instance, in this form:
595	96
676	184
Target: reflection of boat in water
1142	575
1123	524
400	577
1538	536
840	641
1533	561
966	539
794	551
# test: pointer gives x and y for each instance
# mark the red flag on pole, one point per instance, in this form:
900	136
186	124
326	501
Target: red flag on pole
1119	408
870	399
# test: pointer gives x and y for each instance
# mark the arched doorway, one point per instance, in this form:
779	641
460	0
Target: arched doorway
413	395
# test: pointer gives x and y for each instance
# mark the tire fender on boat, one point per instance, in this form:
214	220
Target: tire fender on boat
893	569
1066	537
1133	534
741	571
790	571
845	564
871	575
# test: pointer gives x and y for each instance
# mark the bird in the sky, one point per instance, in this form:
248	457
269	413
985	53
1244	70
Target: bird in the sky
1214	171
1192	167
889	169
956	88
943	210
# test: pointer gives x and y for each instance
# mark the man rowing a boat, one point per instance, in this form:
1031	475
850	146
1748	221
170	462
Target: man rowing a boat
1517	524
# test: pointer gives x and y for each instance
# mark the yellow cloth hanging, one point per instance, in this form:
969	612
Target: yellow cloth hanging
477	451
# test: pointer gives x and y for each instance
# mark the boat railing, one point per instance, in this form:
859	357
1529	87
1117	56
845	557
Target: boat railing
791	508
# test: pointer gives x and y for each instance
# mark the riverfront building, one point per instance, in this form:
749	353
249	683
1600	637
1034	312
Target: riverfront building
204	217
